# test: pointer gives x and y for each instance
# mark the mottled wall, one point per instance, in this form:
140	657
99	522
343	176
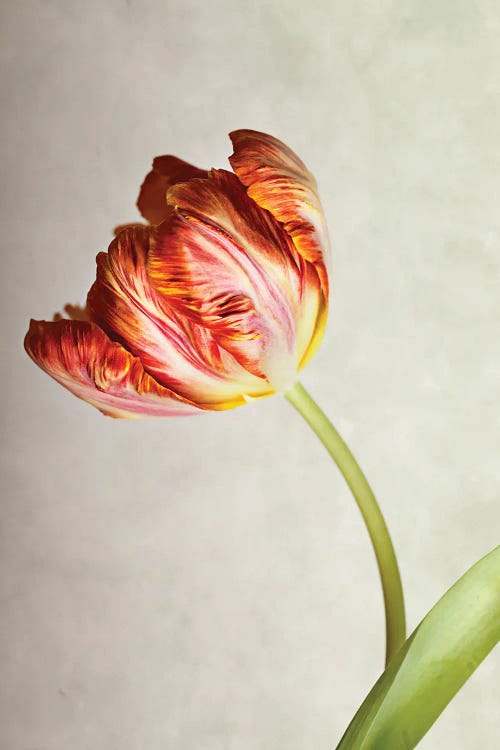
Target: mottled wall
207	583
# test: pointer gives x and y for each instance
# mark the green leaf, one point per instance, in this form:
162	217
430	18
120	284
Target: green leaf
433	664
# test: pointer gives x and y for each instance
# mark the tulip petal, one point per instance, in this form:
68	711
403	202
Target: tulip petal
84	360
167	171
279	181
312	318
228	265
177	352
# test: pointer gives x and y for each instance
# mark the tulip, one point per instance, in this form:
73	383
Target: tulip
219	299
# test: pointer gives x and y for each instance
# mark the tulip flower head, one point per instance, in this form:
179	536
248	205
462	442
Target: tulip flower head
221	298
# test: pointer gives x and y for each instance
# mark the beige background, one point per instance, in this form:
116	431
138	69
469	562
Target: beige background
207	583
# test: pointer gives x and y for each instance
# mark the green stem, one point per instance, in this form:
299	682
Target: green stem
372	516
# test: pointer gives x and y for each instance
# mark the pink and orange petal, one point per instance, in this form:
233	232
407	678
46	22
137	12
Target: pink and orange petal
84	360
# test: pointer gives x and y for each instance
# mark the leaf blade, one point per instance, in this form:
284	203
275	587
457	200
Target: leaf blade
433	664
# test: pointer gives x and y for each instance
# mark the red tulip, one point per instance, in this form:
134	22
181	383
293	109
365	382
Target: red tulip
221	298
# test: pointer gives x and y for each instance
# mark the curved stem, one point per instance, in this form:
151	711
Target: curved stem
372	516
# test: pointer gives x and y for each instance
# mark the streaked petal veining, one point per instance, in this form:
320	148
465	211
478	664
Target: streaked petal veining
84	360
229	266
179	353
280	182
